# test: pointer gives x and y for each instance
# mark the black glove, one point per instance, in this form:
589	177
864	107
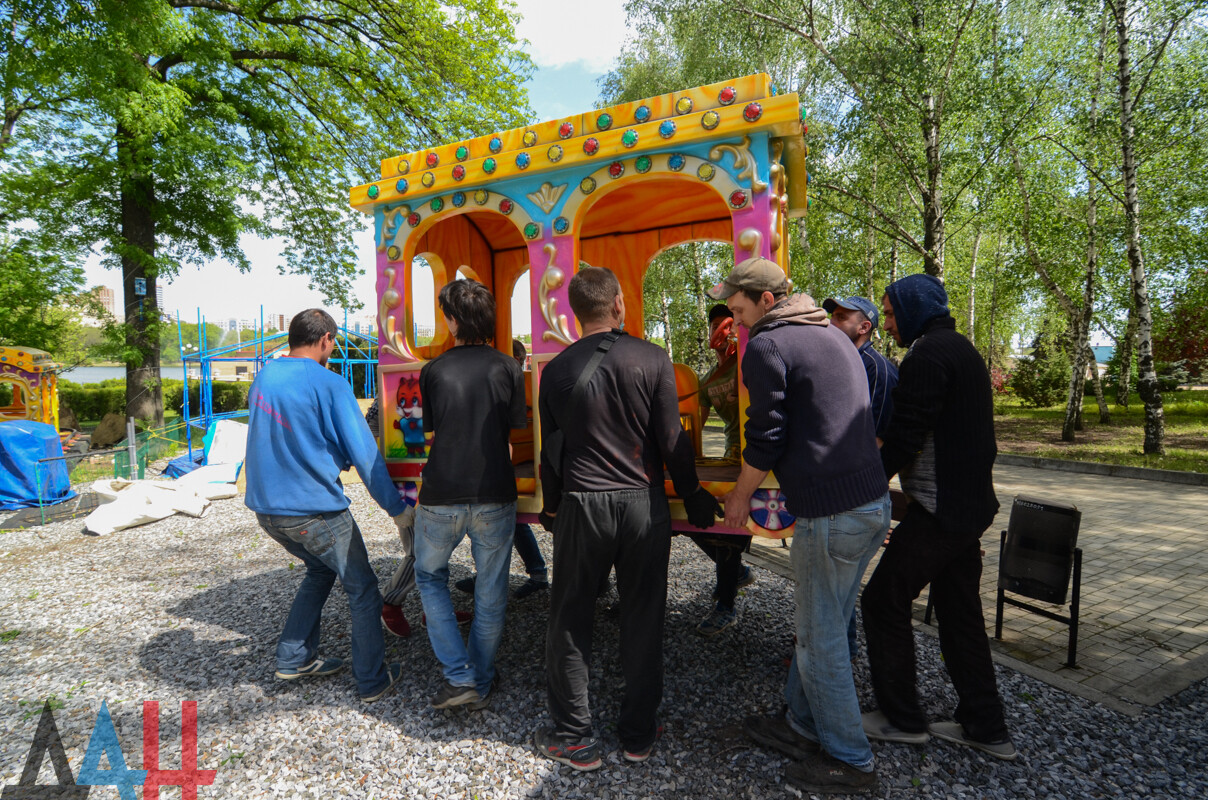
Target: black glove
547	520
703	508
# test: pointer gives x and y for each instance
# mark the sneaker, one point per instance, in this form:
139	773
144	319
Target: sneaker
583	756
955	732
449	696
717	621
638	756
774	731
484	700
466	584
822	774
529	587
876	726
393	672
315	669
463	618
745	579
395	621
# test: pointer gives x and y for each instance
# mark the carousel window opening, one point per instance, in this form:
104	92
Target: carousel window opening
422	301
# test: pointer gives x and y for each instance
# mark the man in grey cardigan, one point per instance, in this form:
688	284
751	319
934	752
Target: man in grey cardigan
809	422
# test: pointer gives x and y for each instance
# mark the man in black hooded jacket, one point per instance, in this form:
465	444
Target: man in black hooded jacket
941	442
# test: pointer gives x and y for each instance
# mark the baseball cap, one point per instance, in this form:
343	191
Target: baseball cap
861	304
757	274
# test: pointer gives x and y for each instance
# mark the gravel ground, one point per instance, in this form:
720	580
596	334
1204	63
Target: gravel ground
189	609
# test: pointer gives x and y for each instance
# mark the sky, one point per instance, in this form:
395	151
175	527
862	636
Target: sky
571	53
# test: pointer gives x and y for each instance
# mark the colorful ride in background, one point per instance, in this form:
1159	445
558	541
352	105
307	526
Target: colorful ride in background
613	187
33	378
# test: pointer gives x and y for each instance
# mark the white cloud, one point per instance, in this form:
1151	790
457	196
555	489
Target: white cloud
562	33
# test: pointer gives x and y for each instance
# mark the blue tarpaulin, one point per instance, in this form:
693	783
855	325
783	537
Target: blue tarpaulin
22	445
184	465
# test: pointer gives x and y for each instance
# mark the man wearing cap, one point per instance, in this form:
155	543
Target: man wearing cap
857	317
941	441
809	422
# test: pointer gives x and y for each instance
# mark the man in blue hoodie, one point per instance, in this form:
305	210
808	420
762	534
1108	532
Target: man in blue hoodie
941	442
809	421
304	429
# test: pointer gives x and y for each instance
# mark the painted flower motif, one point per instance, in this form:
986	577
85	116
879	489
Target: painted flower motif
738	198
459	199
410	493
495	145
710	120
488	165
587	185
529	138
629	138
604	122
459	172
413	219
373	191
462	153
667	128
591	146
481	197
400	186
752	112
532	230
561	225
554	153
506	206
437	204
616	169
523	160
428	179
683	105
676	162
769	511
643	164
727	95
566	130
642	113
431	160
705	172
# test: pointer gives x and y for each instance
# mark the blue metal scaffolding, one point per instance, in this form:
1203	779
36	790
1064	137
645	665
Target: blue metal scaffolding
352	348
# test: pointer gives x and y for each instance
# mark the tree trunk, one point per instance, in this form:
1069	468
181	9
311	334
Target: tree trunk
1124	385
993	305
698	288
933	210
870	242
973	288
1104	415
144	395
1147	383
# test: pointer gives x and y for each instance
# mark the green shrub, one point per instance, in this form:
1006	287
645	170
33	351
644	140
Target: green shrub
226	396
1043	379
92	401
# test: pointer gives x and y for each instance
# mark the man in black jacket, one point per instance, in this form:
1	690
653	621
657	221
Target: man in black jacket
606	506
941	441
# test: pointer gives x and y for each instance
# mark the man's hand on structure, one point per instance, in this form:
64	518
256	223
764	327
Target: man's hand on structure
546	519
703	508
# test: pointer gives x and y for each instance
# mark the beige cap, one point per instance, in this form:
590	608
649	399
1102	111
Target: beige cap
758	274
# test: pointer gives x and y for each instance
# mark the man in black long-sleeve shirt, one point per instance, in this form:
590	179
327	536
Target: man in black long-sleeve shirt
607	507
941	441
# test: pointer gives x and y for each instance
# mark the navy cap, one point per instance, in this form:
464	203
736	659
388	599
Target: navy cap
861	304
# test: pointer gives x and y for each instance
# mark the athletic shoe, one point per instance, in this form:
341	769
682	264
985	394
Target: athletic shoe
395	621
484	700
393	672
466	584
876	726
583	756
718	620
822	774
955	732
449	695
774	731
315	669
529	587
638	756
463	618
745	579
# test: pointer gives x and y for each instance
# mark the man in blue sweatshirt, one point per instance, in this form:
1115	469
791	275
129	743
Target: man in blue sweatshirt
304	429
809	421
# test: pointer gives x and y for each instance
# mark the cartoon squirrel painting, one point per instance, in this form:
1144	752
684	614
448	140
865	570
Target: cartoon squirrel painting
409	406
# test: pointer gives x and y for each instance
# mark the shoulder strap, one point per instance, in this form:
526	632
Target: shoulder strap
576	396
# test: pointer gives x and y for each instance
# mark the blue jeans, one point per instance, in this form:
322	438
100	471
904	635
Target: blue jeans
829	557
331	547
438	531
530	553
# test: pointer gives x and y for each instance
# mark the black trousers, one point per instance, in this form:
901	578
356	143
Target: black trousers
727	555
594	532
921	553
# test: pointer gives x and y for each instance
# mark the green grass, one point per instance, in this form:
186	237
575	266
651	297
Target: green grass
1037	432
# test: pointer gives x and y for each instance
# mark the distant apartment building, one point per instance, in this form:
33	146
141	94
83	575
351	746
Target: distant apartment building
104	296
159	297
